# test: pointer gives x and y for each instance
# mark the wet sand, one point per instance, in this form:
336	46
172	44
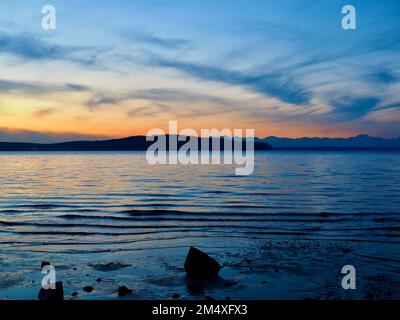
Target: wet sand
284	269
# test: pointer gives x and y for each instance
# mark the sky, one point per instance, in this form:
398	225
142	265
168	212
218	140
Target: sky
116	68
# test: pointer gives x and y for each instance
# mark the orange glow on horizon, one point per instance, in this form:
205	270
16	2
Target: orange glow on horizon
61	117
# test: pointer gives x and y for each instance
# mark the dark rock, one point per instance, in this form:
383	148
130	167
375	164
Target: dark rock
195	288
98	280
264	282
200	264
74	294
229	283
111	266
370	296
123	291
56	294
346	250
176	295
88	289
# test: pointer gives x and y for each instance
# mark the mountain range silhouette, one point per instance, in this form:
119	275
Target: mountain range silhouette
139	143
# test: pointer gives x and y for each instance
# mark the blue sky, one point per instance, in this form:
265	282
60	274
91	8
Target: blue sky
116	68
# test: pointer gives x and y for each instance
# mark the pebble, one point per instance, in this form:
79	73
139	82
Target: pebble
88	289
123	291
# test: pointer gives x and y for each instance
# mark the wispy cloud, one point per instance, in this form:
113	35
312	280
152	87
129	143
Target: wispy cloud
142	36
178	95
155	95
38	88
43	112
354	108
149	110
99	99
277	85
30	47
385	77
21	135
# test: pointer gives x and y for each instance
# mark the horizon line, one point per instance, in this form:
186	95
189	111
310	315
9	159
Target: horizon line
98	138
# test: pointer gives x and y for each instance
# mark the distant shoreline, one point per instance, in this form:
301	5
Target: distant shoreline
257	151
334	149
136	143
139	143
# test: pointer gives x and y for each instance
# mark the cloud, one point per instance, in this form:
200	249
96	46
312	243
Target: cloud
385	115
385	77
38	88
158	96
43	112
353	108
77	87
27	46
7	86
149	110
142	36
178	95
99	99
275	84
21	135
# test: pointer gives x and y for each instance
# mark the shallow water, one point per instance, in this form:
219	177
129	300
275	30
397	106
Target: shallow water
297	216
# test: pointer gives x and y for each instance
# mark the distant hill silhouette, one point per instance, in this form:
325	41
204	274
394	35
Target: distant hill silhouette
139	143
360	142
135	143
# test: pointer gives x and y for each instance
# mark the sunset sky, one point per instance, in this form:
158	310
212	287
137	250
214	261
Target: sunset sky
119	68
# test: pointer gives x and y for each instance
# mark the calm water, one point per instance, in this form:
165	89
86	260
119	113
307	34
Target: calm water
66	206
